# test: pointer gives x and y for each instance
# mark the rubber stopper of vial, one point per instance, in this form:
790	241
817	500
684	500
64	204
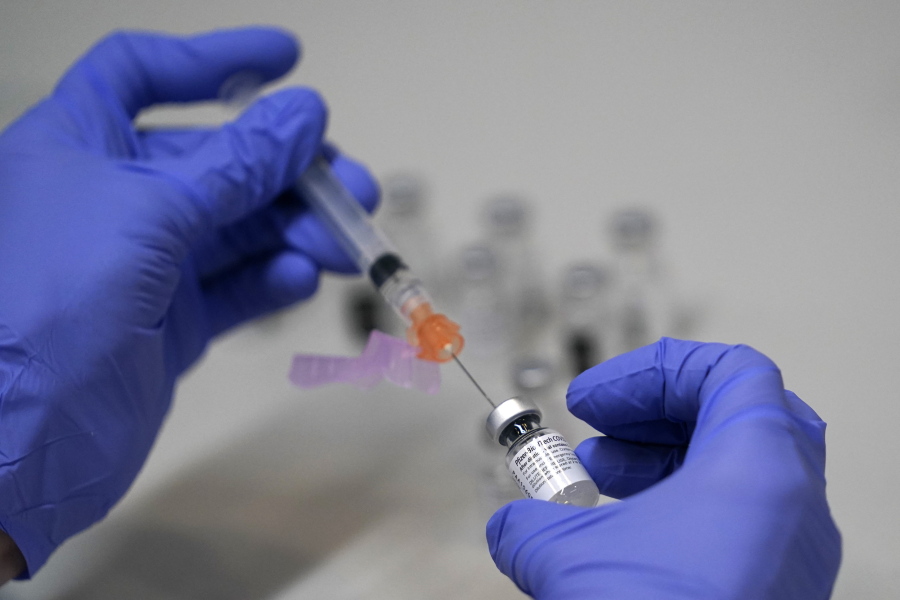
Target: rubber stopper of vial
436	336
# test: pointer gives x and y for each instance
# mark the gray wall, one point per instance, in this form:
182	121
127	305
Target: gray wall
766	135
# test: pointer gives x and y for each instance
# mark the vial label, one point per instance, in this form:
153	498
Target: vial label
546	465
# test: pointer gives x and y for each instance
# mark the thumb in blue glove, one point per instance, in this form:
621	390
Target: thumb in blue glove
122	252
722	474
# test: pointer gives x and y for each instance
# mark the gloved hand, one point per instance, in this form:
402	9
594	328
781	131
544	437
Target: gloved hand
722	471
122	252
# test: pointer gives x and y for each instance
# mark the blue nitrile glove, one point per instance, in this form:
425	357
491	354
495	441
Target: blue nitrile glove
722	472
123	252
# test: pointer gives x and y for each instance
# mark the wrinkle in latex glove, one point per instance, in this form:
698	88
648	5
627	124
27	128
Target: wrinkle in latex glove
384	358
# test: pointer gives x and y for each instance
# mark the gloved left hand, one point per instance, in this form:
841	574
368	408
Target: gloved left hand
123	252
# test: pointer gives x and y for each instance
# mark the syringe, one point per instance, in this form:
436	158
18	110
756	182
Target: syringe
436	336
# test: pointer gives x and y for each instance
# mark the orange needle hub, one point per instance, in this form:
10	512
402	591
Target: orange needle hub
436	336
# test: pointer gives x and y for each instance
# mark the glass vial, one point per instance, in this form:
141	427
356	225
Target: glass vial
509	229
480	305
642	303
404	218
584	301
540	460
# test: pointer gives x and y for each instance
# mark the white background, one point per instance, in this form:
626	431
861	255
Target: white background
766	135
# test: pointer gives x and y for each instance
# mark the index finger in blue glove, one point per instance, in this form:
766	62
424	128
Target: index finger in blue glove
621	468
244	165
172	142
136	69
732	397
284	223
308	235
675	384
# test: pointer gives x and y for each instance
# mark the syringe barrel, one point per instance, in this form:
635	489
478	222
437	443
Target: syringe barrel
404	292
342	215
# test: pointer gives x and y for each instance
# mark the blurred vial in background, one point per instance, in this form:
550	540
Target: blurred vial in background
585	316
533	378
365	310
404	220
525	298
481	310
642	304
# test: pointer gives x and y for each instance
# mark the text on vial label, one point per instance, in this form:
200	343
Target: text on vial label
546	465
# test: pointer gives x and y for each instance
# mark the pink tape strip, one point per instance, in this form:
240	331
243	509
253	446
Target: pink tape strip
384	357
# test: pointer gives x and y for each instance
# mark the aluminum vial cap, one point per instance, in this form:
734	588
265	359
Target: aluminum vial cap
506	413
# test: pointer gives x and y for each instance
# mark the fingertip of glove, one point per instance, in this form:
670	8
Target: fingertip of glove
295	103
603	380
281	40
289	125
270	49
587	386
298	277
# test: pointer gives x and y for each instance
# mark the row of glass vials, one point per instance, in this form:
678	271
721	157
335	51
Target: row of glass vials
510	308
527	331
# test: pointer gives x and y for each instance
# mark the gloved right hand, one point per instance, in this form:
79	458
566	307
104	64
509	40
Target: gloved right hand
721	471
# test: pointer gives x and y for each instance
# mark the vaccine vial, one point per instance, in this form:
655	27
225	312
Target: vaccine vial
405	220
540	460
642	305
585	313
480	305
511	237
